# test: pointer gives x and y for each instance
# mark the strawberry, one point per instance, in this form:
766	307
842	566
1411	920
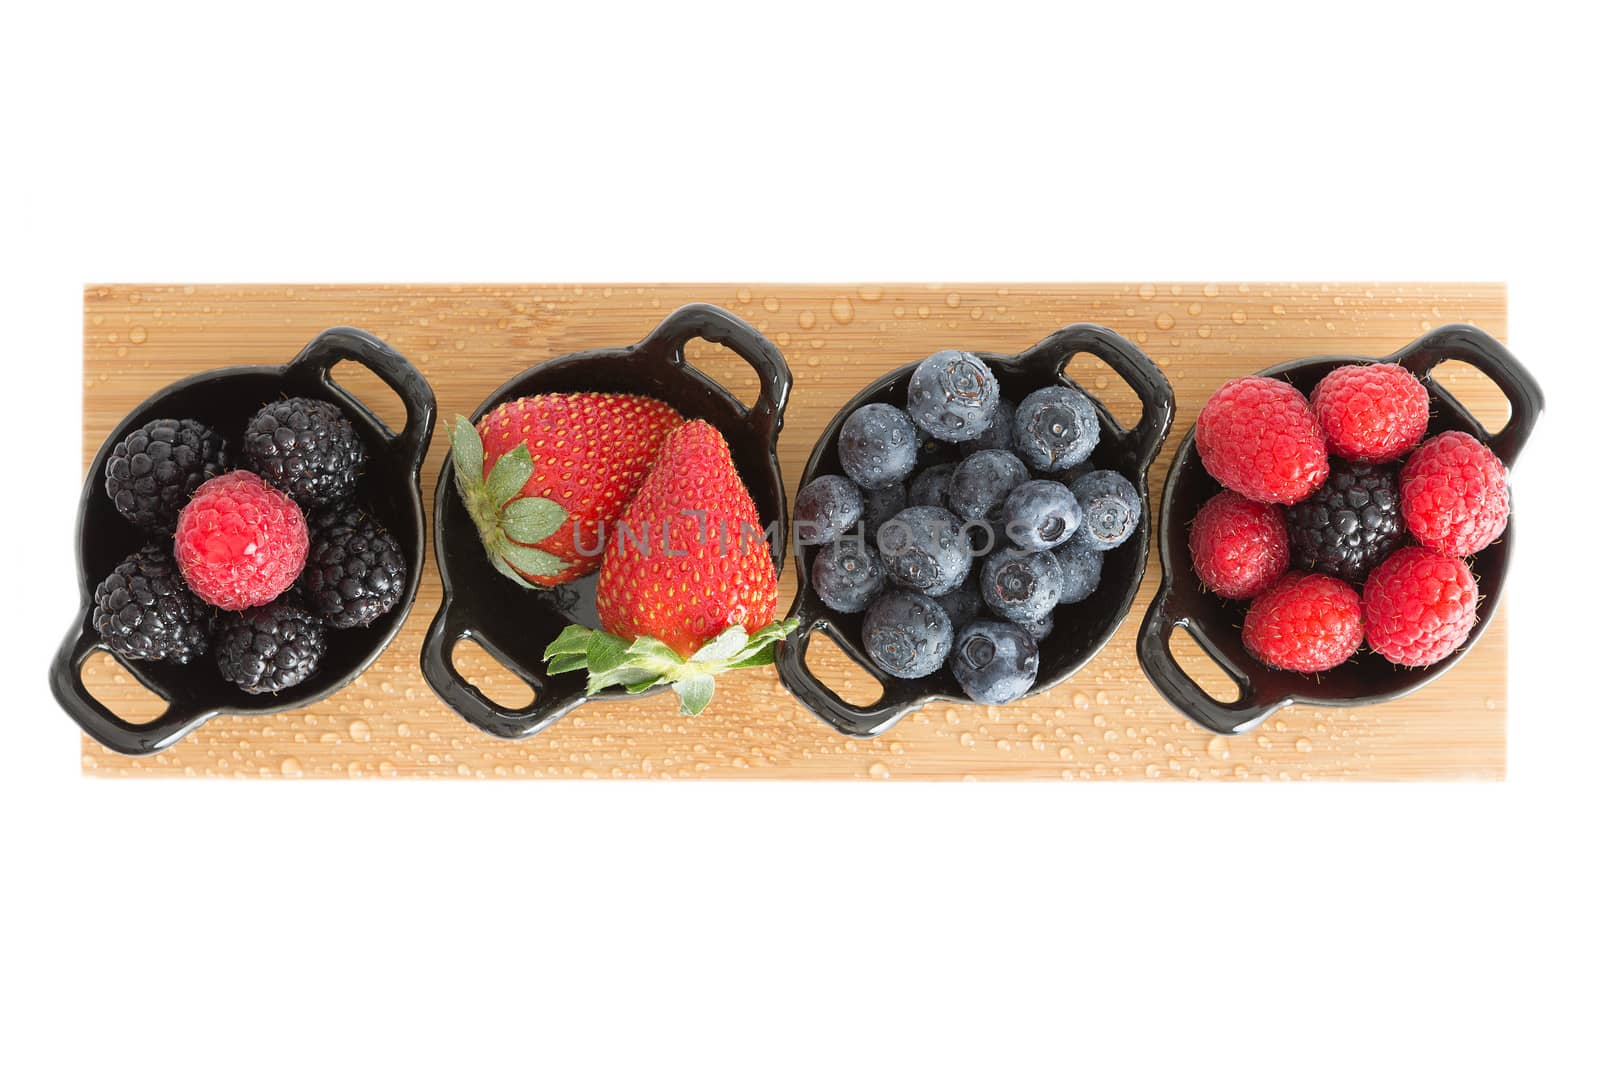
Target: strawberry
543	477
687	587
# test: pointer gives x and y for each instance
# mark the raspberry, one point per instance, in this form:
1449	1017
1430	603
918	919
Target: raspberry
1307	623
1453	494
1258	437
1375	412
1420	606
1238	546
240	542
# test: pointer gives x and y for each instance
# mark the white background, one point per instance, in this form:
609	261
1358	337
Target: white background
179	922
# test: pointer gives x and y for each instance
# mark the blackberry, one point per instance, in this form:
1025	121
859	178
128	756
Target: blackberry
270	648
154	470
143	610
1350	525
355	571
306	448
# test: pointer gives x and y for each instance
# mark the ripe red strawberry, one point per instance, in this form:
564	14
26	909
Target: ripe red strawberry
1307	623
1238	547
240	542
544	477
1375	412
1258	437
687	586
1453	494
1420	606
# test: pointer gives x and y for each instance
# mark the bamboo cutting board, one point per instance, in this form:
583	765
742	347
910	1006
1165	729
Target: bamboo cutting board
1104	723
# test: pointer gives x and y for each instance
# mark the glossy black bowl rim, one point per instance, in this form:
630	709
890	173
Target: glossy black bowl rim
329	348
455	619
1258	701
901	696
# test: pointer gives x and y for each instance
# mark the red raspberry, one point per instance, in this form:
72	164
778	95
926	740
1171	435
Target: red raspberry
1258	437
1238	547
1375	412
1307	623
1420	606
1453	494
240	542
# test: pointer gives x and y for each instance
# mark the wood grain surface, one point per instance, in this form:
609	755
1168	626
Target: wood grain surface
1104	723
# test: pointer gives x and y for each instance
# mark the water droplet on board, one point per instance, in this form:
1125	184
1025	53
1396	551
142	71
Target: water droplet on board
137	335
1217	747
953	300
808	319
1238	316
1164	321
1194	309
1303	744
924	311
878	770
744	296
360	731
290	768
1210	290
771	303
1147	291
842	310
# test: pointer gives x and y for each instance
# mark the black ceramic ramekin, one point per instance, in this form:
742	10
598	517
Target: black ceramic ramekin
515	625
225	399
1082	629
1216	623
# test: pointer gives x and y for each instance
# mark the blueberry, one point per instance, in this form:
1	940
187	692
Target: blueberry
847	574
1056	427
1080	568
999	433
906	634
826	508
931	451
1071	473
1041	515
953	395
1110	507
995	662
1040	628
881	505
925	550
981	482
929	487
964	603
1020	585
877	446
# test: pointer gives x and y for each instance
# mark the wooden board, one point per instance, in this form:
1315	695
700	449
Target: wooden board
1104	723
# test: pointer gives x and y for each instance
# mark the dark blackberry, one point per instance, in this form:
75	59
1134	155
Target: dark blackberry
270	648
143	610
306	448
355	571
154	470
1350	524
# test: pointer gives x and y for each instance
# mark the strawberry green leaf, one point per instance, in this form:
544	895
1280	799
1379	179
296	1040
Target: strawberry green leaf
532	519
761	657
566	662
648	648
605	653
643	686
573	639
722	646
466	453
623	676
511	472
694	693
530	560
505	568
